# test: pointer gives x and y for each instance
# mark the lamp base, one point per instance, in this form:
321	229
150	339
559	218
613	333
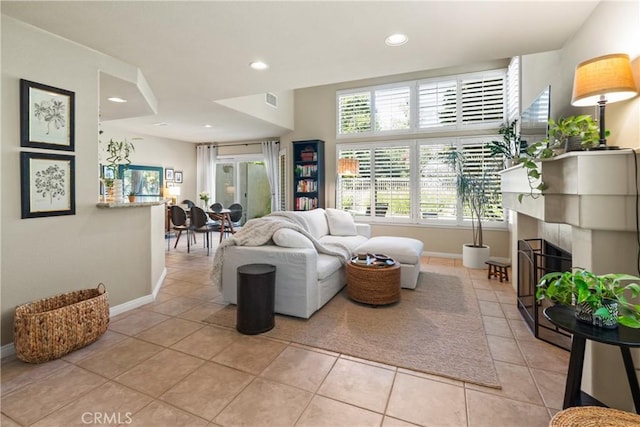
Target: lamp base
603	148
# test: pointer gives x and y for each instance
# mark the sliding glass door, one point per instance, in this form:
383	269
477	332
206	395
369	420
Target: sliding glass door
244	182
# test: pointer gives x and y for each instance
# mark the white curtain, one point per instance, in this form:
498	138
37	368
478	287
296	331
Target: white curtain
206	172
270	150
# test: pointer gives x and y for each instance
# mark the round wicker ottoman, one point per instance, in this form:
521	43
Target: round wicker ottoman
373	285
594	416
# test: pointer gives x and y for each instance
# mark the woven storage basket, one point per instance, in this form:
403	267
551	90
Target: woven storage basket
594	416
49	328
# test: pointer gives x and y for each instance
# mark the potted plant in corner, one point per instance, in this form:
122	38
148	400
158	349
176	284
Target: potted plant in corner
118	154
477	195
598	300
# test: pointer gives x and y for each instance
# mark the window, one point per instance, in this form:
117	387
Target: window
461	102
282	171
513	89
385	181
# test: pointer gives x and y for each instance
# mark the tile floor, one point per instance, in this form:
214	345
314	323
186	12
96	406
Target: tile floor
159	365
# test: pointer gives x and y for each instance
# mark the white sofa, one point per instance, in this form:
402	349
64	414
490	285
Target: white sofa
305	279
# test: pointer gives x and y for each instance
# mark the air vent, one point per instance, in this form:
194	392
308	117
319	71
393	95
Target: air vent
271	99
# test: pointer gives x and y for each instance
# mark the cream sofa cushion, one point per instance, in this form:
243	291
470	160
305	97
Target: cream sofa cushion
340	223
288	238
316	221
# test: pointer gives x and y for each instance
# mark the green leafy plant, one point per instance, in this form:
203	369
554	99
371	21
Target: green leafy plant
474	190
583	126
582	286
511	145
119	152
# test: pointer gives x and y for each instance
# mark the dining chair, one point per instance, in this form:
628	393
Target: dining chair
179	223
216	207
201	224
189	203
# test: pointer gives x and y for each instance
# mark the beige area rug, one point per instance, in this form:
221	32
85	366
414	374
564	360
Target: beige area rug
436	328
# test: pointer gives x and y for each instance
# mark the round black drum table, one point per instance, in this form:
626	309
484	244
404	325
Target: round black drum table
256	298
625	338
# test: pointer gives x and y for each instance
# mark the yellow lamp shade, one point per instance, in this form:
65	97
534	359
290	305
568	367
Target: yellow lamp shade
609	76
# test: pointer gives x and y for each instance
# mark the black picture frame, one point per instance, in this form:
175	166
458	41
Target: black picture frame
47	116
177	177
47	184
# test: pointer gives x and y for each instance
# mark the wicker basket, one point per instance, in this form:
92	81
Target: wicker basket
49	328
594	416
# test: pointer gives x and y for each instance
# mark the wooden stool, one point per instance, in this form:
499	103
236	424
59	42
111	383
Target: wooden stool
498	268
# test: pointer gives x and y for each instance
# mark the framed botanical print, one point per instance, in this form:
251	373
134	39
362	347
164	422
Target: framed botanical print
47	184
47	116
168	174
177	177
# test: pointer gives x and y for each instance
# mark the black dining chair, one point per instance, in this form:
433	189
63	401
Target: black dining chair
189	203
216	207
179	223
200	223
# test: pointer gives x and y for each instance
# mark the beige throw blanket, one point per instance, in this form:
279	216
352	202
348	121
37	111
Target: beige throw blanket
259	231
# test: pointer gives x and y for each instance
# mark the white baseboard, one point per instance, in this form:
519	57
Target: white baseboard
9	349
442	255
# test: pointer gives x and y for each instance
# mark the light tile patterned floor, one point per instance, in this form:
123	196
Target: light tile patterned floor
159	365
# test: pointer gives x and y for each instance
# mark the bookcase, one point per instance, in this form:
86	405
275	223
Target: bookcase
308	174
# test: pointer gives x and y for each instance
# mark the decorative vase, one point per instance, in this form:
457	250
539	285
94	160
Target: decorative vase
585	314
117	191
475	257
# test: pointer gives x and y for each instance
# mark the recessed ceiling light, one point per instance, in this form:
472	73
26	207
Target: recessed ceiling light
396	39
161	124
258	65
208	126
116	99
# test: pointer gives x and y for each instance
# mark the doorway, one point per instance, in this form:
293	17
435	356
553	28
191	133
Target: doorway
244	182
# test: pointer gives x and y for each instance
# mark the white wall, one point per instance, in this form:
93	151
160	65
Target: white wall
42	257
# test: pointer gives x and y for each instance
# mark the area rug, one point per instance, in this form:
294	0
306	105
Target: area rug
436	328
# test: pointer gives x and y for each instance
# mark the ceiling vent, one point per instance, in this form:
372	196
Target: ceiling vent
271	99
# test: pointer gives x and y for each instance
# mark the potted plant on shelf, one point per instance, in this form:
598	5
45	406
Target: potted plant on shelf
510	147
477	196
132	196
118	154
575	132
598	300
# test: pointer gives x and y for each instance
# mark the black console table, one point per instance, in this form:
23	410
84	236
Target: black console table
625	338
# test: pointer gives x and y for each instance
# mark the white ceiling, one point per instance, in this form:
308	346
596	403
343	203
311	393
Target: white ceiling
193	53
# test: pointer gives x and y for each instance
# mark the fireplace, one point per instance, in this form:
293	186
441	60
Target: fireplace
537	257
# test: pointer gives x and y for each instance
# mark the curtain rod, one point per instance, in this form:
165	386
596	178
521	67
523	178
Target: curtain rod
231	144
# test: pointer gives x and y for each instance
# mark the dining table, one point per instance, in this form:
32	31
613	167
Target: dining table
224	216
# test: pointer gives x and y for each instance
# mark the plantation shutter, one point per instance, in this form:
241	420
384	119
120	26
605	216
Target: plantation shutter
354	112
437	103
392	181
438	195
392	108
482	99
513	89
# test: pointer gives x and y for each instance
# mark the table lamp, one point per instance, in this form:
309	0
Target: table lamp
600	80
175	192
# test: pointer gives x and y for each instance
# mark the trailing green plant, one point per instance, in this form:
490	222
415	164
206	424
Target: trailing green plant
475	191
118	154
511	145
536	152
583	126
582	286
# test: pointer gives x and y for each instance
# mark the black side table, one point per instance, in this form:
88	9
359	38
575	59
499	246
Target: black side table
625	338
256	298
